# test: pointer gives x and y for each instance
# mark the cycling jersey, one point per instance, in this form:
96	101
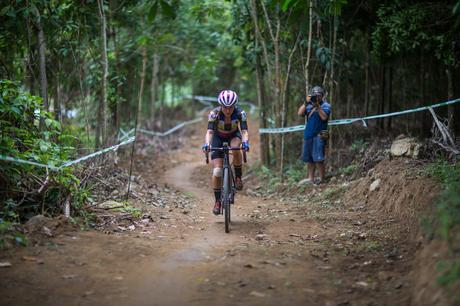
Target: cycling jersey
216	122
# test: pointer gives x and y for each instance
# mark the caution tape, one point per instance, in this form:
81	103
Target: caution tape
69	163
172	130
92	155
361	119
27	162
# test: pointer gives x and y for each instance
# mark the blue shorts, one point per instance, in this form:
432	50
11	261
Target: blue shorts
313	150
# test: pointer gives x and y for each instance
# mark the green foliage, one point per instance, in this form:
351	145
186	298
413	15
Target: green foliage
349	169
335	192
447	218
405	27
446	173
358	145
10	235
30	133
450	272
130	209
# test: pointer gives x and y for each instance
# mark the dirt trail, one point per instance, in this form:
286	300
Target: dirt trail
320	249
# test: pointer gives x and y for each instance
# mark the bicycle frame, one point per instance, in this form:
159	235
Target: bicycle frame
228	184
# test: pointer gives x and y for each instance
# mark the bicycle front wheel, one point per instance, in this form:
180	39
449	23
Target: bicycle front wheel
226	199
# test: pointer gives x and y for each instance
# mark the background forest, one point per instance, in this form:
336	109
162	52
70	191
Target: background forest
93	67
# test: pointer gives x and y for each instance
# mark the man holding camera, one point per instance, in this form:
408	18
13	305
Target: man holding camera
317	111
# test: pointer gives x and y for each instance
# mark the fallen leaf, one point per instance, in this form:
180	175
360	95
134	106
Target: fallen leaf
257	294
29	258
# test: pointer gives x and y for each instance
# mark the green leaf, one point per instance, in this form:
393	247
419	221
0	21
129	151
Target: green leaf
5	10
167	9
153	11
44	147
48	122
286	5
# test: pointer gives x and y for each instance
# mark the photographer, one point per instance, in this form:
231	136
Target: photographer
317	111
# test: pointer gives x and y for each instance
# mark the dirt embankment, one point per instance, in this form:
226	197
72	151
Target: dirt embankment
404	193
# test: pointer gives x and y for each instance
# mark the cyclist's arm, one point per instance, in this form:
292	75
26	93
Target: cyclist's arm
244	135
208	137
244	126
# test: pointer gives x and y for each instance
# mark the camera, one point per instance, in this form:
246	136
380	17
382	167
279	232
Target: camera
314	99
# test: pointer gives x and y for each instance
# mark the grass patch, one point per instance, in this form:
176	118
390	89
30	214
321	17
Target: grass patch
333	192
349	169
130	209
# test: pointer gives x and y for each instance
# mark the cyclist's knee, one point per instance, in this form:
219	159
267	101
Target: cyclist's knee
217	172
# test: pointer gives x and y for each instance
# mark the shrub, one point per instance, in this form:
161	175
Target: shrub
28	132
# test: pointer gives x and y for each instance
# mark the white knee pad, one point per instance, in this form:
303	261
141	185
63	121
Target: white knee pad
217	172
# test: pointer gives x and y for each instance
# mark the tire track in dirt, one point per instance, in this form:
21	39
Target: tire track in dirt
186	267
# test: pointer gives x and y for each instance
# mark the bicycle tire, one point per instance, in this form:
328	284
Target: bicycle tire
226	199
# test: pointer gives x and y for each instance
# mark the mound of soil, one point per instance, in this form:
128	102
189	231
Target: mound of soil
401	190
40	227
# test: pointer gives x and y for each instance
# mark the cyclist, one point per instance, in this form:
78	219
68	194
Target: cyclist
226	123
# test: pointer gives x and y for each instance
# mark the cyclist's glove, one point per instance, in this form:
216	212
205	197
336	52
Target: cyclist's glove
245	146
205	147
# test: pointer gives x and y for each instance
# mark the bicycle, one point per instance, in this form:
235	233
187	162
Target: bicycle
228	188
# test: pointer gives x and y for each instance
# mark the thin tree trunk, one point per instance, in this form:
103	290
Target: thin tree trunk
366	82
154	85
264	139
115	107
141	89
307	64
276	87
58	97
284	102
42	57
31	78
162	102
382	94
101	131
390	96
331	82
450	96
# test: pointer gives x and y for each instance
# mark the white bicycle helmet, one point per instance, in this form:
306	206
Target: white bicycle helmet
227	98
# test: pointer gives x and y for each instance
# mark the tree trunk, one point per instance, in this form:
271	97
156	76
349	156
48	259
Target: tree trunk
307	64
116	106
101	131
366	82
141	89
58	97
382	94
390	96
264	139
42	56
450	96
31	78
162	102
154	86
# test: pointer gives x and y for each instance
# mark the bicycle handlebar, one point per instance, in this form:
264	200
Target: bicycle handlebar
224	149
